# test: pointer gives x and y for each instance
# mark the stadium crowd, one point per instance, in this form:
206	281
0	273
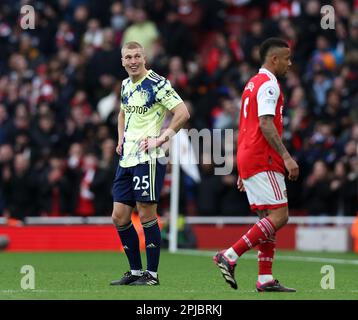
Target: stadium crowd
60	86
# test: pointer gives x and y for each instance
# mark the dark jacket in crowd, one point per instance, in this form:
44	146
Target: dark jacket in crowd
20	194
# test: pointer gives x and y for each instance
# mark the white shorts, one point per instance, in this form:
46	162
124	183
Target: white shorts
266	190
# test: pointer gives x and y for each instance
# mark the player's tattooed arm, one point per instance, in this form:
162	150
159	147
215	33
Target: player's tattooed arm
270	133
180	117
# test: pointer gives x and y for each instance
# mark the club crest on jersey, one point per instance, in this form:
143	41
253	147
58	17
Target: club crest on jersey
144	95
250	86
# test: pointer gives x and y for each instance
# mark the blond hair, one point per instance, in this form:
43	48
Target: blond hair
132	45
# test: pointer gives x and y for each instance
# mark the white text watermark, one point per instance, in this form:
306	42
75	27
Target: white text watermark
28	280
328	18
328	280
27	20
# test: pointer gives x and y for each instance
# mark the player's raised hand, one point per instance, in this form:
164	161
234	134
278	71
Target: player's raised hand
240	185
292	168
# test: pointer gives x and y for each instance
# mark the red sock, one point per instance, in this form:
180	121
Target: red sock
261	231
265	255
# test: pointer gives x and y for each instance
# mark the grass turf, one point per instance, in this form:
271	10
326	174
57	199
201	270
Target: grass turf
189	275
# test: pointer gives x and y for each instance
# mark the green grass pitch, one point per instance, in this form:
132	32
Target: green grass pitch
189	275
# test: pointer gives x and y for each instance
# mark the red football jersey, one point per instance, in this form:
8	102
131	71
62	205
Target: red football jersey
262	96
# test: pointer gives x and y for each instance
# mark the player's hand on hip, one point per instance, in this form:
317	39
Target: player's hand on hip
292	168
119	149
149	144
240	185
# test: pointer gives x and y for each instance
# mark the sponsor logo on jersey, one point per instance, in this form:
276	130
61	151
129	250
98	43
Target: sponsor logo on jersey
270	91
136	109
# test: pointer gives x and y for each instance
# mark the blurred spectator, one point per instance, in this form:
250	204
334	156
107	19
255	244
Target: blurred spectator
351	43
118	21
4	123
288	32
107	104
227	117
46	135
208	199
93	36
321	85
252	41
316	193
190	13
20	191
325	57
85	201
321	144
143	31
20	122
335	113
104	67
344	190
6	155
160	58
56	190
64	36
108	160
95	183
232	201
173	31
80	101
75	156
80	19
6	159
22	144
101	186
215	53
309	27
76	125
176	75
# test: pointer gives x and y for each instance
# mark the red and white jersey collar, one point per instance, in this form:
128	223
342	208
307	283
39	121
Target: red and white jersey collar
269	73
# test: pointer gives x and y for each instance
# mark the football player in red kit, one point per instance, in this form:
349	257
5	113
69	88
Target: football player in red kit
262	161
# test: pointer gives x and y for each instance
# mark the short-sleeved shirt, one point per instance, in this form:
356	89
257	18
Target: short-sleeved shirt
262	96
144	104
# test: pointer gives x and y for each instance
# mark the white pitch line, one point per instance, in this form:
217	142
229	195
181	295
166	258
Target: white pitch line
283	258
